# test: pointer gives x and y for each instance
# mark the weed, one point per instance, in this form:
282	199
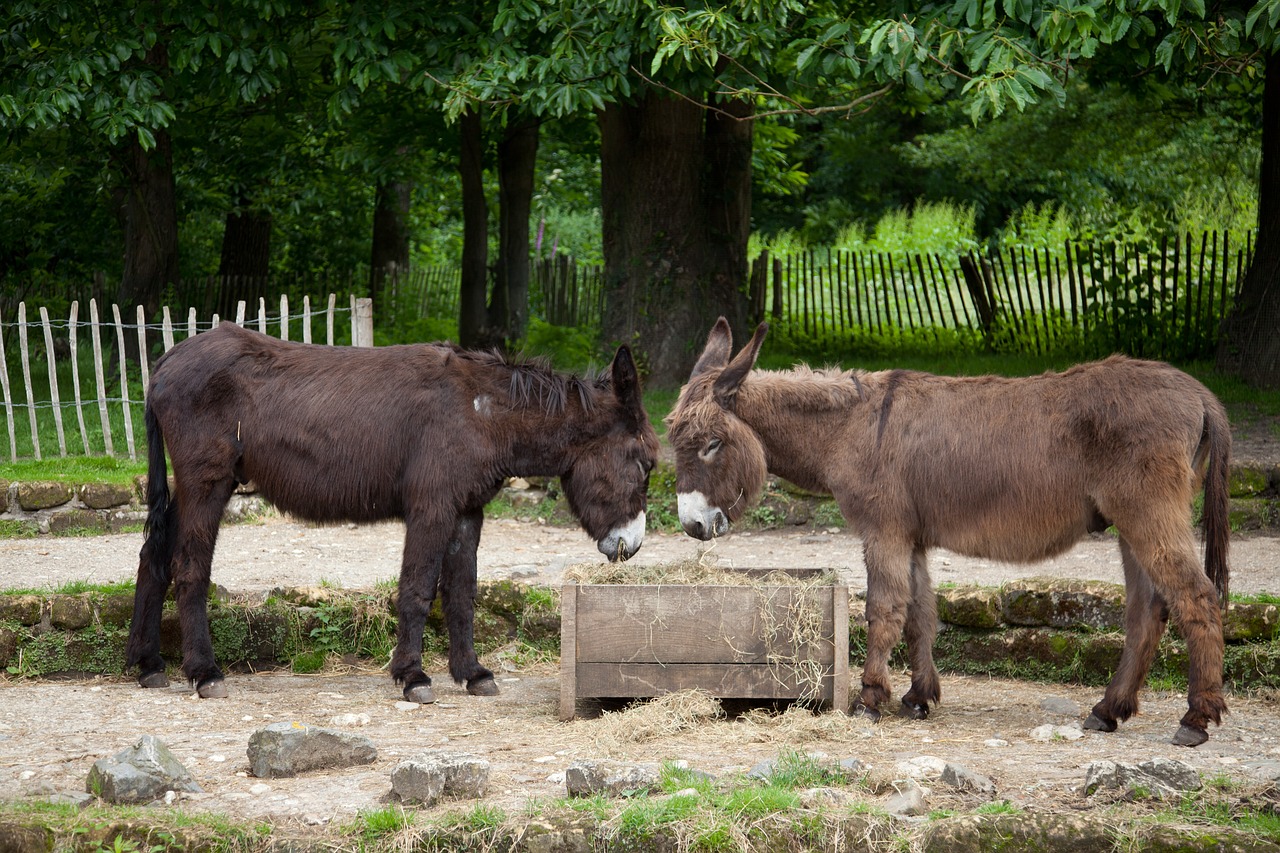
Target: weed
998	807
374	825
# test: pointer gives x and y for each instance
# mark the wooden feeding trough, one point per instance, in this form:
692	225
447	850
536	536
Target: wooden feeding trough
760	640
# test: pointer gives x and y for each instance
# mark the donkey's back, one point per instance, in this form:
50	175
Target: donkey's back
325	433
1019	469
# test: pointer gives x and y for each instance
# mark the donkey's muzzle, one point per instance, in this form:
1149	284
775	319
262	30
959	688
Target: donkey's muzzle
698	518
713	526
623	542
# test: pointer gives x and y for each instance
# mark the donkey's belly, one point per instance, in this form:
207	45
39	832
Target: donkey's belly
1013	539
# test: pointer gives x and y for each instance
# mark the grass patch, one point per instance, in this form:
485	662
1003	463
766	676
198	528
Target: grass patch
117	471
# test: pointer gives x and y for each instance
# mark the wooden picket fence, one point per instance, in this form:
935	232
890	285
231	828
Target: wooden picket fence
1162	301
45	407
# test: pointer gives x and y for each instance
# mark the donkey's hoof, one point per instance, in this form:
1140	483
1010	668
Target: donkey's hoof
912	711
420	693
1190	736
867	712
214	688
1094	723
153	679
483	686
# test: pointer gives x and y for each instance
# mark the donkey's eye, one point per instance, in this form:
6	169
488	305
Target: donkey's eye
710	450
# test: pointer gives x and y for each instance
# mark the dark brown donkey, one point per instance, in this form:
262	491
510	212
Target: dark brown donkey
1008	469
425	433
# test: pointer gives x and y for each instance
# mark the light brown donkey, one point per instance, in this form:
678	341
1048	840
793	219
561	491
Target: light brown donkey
1007	469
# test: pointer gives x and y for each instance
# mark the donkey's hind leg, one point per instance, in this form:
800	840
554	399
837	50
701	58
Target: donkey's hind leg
921	630
458	600
1193	604
1145	617
888	592
154	573
199	513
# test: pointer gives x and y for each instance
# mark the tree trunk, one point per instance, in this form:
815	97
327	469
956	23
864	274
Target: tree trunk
517	156
1249	343
150	214
675	197
245	261
472	317
390	254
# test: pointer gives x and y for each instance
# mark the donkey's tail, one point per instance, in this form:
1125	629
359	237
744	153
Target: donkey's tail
159	524
1216	439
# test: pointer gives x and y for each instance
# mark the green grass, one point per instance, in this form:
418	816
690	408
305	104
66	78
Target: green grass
117	471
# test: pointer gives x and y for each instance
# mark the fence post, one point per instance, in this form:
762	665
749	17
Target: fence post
362	323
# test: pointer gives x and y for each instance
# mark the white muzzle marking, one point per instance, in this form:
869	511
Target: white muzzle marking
698	518
623	542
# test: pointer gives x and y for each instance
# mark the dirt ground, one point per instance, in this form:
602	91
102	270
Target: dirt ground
52	731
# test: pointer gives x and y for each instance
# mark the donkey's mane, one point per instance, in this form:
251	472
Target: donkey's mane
531	382
823	388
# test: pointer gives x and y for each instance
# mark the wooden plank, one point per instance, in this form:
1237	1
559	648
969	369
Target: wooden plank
333	302
568	650
8	401
840	682
192	326
166	330
262	314
722	680
284	317
697	624
143	355
53	381
124	383
24	356
240	310
306	319
96	335
72	325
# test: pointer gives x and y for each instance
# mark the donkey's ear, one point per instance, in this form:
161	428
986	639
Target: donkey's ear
726	386
716	352
626	382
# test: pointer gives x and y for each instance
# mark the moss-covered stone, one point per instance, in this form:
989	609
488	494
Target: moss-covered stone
76	521
969	606
104	495
1254	513
38	496
8	647
1247	481
987	833
115	609
23	609
19	838
70	612
1063	603
1245	621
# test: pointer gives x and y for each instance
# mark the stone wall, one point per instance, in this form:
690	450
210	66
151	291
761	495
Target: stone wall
40	507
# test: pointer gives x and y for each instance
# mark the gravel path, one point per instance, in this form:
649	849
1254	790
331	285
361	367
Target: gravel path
280	552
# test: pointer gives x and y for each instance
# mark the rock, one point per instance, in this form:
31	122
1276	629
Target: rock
909	802
854	768
1060	705
1160	777
970	607
139	774
23	609
966	780
1047	732
1250	621
816	798
37	496
77	799
433	776
586	777
104	495
287	749
77	520
922	767
71	612
982	833
1267	769
762	770
1062	603
349	720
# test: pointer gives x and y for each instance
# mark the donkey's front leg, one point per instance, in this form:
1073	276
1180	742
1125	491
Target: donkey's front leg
458	598
888	591
424	549
921	630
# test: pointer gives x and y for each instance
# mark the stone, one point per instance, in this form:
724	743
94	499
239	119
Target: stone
140	774
1247	481
104	495
23	609
1245	621
762	770
1160	777
1064	603
922	767
587	777
77	799
37	496
433	776
76	521
909	802
967	780
287	749
970	607
1060	705
1048	732
71	612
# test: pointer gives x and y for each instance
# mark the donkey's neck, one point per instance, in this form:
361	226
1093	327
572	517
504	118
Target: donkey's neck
799	417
